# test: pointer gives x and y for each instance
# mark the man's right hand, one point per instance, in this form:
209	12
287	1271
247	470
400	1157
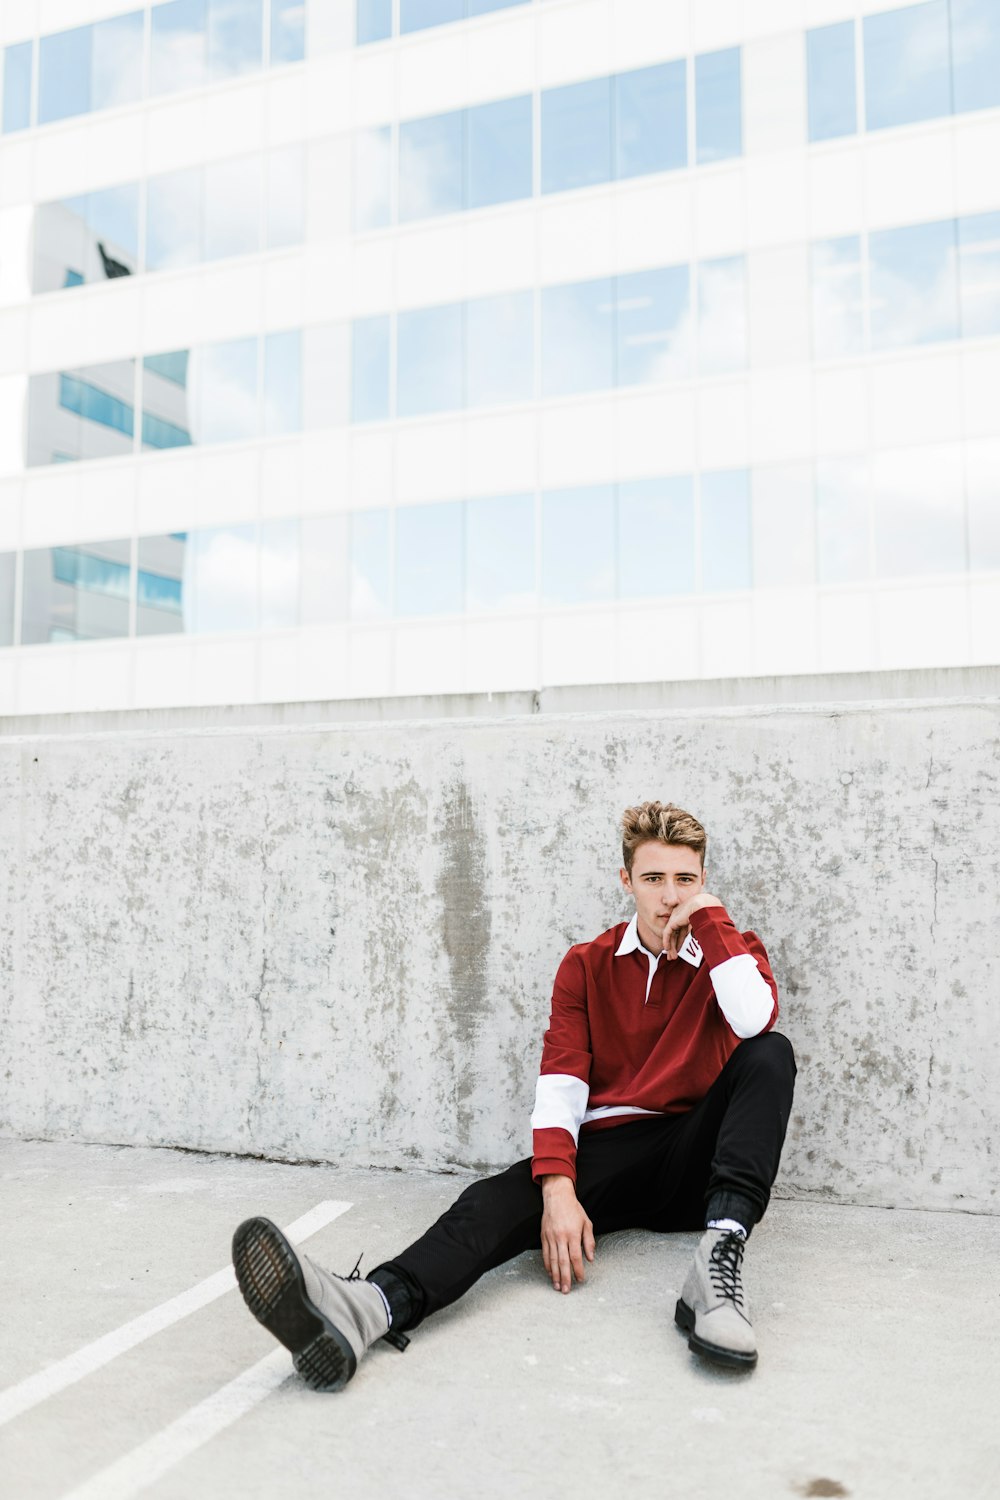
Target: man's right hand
567	1233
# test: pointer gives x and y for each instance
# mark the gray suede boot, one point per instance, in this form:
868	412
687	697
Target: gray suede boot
327	1321
711	1309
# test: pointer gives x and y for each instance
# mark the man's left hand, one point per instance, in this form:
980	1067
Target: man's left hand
679	924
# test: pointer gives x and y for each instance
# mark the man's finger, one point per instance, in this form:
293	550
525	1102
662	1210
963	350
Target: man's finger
564	1267
545	1254
589	1243
576	1261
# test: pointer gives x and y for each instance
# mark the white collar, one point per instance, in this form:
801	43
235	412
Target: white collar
631	941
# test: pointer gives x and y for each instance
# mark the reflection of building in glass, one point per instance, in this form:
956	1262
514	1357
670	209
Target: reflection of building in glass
673	354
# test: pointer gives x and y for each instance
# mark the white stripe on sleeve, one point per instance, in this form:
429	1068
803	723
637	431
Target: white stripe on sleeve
743	993
560	1100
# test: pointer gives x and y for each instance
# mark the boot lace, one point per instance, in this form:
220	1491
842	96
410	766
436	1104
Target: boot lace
397	1340
724	1266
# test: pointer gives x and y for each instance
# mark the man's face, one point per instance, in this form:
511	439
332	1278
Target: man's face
663	876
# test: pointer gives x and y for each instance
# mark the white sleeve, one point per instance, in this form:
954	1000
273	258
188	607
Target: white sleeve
743	993
560	1101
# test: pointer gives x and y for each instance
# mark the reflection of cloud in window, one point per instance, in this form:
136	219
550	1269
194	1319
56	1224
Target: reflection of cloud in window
117	62
371	178
178	59
223	386
220	579
919	510
721	315
911	302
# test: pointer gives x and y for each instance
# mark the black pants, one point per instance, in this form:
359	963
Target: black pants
666	1172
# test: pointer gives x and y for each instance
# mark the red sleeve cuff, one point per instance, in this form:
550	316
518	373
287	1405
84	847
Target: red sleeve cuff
554	1153
717	935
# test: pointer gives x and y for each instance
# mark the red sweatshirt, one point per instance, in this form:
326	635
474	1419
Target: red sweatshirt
611	1055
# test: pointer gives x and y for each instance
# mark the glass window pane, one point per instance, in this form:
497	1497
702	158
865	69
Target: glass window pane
500	349
326	375
178	46
975	54
116	61
225	380
84	413
725	530
833	109
654	325
372	169
232	207
369	564
722	315
373	21
979	274
174	213
17	87
842	520
279	574
481	7
64	61
982	480
429	549
285	197
113	220
578	545
500	553
430	166
166	403
370	369
656	537
324	568
288	31
919	507
160	585
235	37
914	284
576	135
837	297
415	15
220	584
651	120
90	238
283	382
906	65
7	562
578	337
429	360
784	527
499	147
76	593
718	129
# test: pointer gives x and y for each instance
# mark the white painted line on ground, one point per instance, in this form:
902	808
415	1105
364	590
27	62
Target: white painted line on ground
17	1399
147	1463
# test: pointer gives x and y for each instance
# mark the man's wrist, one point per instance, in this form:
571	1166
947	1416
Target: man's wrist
554	1184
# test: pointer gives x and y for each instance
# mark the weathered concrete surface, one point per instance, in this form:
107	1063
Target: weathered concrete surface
878	1333
338	944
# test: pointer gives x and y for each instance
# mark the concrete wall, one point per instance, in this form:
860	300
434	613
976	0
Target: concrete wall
338	942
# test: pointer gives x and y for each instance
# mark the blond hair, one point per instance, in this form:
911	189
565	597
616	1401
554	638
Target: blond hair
662	821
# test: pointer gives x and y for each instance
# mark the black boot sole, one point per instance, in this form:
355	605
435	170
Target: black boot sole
731	1358
273	1287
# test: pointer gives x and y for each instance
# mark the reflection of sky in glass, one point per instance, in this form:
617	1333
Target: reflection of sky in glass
279	574
975	53
578	337
415	15
430	166
656	537
370	369
232	207
369	564
224	377
982	470
500	553
373	20
178	55
113	218
722	315
979	274
116	61
174	219
906	65
372	167
235	37
914	285
832	93
429	360
429	548
166	416
725	530
64	74
220	579
499	151
500	360
282	382
919	510
654	325
481	7
837	300
650	120
285	197
578	545
576	135
718	130
842	520
288	31
17	87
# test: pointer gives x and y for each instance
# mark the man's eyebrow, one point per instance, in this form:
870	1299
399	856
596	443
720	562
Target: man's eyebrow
646	873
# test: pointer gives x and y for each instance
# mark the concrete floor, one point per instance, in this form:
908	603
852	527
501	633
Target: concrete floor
879	1373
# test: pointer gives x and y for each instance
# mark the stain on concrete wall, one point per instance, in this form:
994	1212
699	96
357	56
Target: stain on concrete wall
338	943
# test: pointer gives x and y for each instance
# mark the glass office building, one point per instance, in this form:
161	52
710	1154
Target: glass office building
357	347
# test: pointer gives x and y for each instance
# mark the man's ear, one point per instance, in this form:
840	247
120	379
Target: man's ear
623	876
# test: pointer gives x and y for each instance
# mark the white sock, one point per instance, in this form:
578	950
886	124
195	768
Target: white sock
388	1309
730	1224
